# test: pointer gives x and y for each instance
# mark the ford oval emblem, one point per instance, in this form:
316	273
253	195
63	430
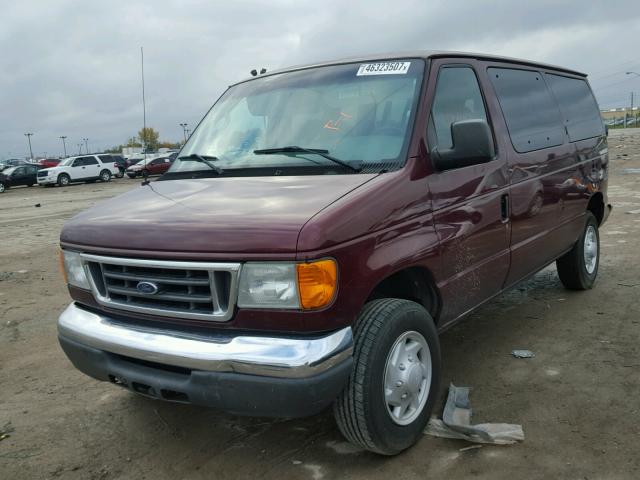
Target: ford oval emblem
147	288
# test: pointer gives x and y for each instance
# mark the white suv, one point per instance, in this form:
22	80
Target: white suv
85	168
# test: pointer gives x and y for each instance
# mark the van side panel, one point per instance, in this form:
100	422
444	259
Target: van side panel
467	209
547	181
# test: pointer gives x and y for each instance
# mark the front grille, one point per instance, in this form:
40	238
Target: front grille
194	290
42	174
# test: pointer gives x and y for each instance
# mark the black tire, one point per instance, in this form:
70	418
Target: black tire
361	410
3	187
572	266
131	175
105	176
63	180
30	185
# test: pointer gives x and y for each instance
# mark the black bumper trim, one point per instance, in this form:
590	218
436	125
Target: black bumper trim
237	393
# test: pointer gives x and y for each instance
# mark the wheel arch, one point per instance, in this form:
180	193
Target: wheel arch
415	283
596	206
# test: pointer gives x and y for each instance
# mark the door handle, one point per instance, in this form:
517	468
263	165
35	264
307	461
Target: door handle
504	207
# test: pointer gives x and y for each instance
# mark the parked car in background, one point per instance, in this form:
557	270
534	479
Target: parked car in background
275	271
48	162
133	160
20	175
110	158
120	162
84	168
157	166
14	162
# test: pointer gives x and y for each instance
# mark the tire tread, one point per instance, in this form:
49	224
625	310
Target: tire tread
349	409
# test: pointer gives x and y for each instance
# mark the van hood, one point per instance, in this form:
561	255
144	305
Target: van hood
216	215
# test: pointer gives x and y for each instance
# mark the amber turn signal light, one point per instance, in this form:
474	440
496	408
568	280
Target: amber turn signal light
317	283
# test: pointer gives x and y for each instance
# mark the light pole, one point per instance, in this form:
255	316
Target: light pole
184	131
79	149
86	144
64	145
28	135
188	133
637	75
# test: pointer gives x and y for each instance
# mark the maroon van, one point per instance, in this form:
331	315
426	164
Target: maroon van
324	223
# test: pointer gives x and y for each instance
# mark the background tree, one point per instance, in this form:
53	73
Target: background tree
133	142
149	138
171	145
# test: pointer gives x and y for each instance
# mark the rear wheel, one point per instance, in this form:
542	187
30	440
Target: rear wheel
105	176
391	391
578	268
3	187
64	180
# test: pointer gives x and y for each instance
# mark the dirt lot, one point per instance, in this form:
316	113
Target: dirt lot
577	399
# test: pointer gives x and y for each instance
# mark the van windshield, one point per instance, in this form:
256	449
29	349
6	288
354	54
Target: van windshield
301	122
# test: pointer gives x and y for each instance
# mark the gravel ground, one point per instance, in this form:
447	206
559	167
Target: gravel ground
577	399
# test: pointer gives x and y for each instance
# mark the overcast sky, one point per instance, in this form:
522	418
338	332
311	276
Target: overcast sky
73	67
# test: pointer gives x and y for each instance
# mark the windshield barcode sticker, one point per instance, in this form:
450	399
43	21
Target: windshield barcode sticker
384	68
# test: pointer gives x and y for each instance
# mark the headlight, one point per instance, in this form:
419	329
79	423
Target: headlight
268	285
74	270
287	285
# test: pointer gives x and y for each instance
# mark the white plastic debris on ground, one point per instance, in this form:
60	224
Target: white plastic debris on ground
456	423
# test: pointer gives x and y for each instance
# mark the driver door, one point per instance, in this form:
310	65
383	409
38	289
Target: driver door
470	202
19	176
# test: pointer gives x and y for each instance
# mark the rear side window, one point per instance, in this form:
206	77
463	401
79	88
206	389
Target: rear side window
532	115
457	98
579	108
90	161
106	158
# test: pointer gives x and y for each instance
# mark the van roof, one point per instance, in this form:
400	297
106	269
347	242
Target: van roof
425	54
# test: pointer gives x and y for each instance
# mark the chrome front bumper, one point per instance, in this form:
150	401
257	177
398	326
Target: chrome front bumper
281	357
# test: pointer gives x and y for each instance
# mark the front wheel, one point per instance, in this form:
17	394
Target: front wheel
64	180
2	187
578	267
396	374
105	176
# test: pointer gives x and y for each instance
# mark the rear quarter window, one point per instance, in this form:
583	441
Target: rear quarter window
530	111
578	106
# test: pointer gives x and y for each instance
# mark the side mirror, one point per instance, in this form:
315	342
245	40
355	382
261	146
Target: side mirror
472	144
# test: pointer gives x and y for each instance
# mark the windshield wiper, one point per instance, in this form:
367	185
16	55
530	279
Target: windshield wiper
206	159
316	151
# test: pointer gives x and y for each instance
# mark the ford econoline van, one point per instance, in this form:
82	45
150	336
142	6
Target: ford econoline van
324	223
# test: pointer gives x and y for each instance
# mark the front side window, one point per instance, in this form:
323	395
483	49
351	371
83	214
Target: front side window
457	98
359	114
531	113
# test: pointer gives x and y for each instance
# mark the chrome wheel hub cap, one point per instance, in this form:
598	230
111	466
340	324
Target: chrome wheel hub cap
590	249
407	377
